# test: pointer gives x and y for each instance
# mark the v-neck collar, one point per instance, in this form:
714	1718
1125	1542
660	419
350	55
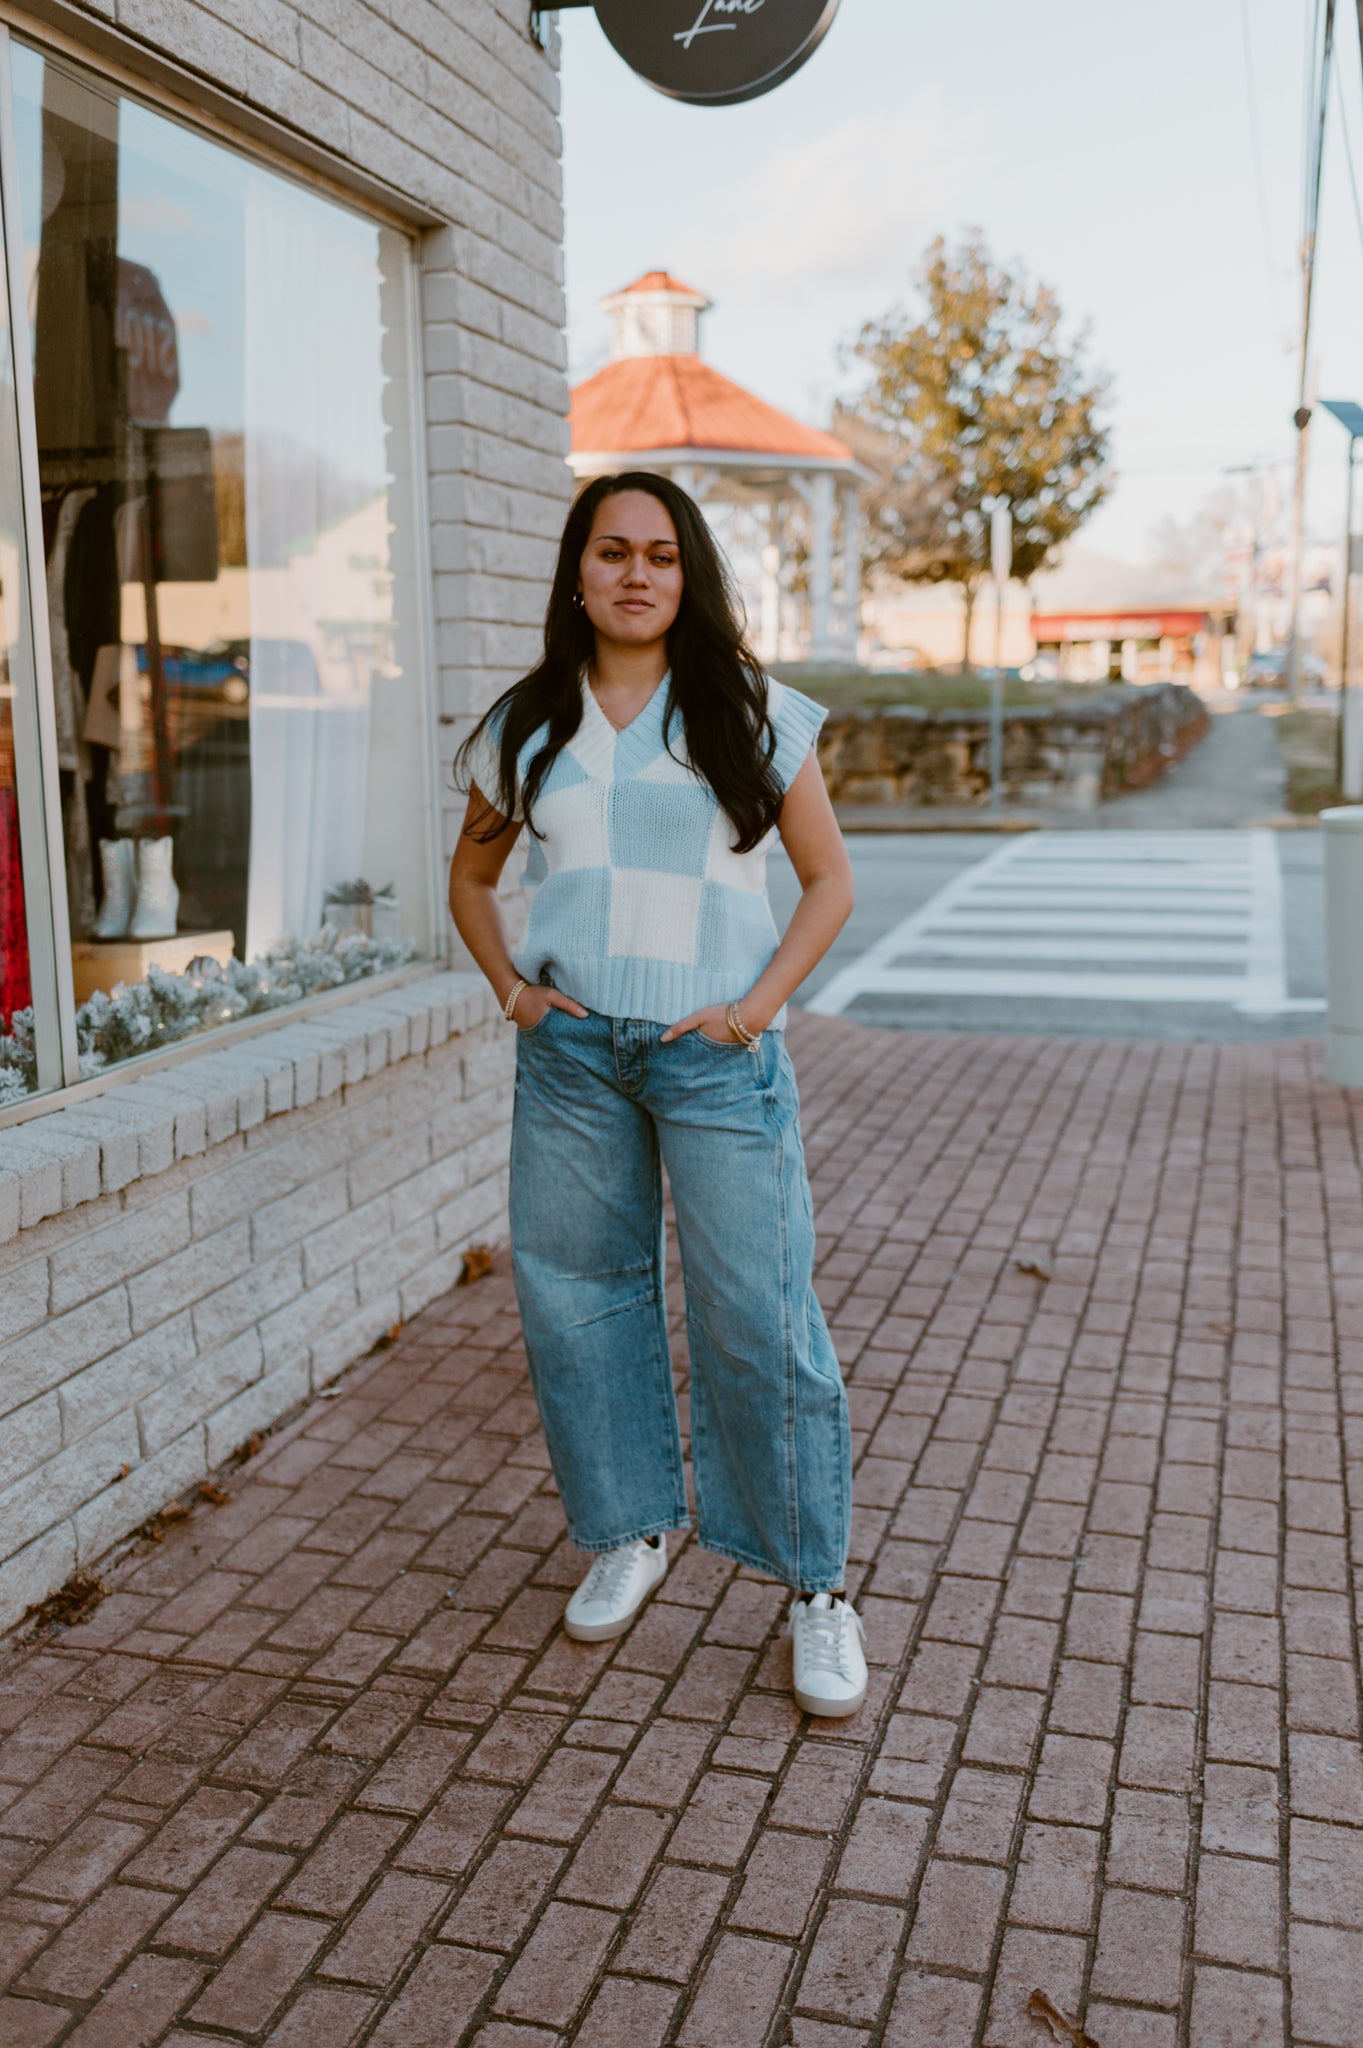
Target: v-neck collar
611	754
619	731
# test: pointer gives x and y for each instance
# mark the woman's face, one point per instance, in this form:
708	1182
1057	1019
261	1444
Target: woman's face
631	574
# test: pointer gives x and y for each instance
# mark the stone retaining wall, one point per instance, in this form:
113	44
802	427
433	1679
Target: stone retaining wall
186	1257
1073	756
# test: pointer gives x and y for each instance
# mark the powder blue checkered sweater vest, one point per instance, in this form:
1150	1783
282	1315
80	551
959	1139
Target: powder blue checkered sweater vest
639	905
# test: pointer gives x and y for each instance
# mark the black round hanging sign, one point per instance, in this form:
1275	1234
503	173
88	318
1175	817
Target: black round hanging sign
713	53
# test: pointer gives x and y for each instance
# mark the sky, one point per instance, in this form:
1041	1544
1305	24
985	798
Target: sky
1143	160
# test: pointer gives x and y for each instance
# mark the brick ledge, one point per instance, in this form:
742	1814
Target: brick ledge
141	1126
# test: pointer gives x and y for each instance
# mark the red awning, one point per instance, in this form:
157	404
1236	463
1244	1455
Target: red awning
1048	626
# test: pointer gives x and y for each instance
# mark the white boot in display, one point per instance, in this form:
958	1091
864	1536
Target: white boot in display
118	860
158	899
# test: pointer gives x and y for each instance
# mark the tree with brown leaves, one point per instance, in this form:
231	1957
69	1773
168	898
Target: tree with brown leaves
981	400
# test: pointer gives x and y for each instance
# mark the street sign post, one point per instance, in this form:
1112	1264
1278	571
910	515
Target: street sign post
714	53
1001	568
1350	733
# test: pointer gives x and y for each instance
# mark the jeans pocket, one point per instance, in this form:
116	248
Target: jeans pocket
533	1030
719	1044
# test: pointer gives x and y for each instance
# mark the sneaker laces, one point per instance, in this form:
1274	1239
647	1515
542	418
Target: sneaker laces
608	1573
825	1635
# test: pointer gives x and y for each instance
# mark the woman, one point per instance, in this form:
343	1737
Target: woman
651	764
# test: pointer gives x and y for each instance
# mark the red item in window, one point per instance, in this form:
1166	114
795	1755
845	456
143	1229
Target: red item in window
15	989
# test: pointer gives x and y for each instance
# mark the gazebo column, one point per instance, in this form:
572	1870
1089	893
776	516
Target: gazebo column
851	567
819	493
769	613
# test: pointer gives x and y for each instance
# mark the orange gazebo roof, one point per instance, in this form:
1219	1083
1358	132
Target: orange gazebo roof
645	403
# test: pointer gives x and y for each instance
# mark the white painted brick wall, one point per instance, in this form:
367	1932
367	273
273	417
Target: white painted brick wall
185	1257
155	1327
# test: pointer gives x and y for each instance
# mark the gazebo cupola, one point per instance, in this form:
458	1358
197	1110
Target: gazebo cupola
657	315
787	490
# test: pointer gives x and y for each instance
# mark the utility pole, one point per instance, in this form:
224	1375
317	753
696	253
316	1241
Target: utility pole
1301	418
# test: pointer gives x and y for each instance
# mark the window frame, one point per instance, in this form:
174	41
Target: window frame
35	741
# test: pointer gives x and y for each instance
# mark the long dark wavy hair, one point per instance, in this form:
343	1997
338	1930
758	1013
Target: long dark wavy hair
717	688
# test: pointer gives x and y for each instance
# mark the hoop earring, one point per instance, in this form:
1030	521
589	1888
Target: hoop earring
579	601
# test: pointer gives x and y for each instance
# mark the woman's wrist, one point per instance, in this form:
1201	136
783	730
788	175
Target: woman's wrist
753	1013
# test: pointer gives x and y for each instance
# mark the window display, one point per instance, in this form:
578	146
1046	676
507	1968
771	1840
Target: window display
20	807
16	994
224	429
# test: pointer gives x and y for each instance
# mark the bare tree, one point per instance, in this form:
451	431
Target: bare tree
1193	552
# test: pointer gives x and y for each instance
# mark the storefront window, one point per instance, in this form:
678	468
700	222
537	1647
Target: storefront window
224	437
20	1060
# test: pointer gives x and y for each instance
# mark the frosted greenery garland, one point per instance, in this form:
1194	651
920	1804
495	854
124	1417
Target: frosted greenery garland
165	1008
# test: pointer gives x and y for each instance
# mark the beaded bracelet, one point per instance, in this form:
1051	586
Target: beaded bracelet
739	1028
509	1005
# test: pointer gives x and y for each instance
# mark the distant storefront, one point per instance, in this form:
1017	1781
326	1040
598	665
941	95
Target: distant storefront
1131	646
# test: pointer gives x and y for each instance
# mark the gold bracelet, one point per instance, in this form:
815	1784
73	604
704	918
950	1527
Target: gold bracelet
739	1028
509	1006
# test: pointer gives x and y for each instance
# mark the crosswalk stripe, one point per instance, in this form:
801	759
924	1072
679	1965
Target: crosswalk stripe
1193	917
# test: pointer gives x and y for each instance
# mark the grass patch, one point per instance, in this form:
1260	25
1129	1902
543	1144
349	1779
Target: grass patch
1308	743
853	689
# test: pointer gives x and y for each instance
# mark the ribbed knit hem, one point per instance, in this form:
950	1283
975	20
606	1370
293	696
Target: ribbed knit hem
660	991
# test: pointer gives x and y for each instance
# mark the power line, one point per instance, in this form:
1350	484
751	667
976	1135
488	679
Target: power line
1260	184
1348	151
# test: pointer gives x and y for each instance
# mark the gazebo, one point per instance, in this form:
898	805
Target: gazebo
658	405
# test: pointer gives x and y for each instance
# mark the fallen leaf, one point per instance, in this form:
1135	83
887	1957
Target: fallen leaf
216	1496
155	1526
121	1473
254	1443
80	1596
1033	1267
477	1264
1039	2007
1222	1329
390	1337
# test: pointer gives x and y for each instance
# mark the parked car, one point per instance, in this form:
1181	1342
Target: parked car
1267	671
220	671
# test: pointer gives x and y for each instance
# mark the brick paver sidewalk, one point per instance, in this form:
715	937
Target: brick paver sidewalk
324	1770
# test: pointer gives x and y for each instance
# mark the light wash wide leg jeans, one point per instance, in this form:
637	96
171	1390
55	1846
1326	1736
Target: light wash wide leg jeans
601	1106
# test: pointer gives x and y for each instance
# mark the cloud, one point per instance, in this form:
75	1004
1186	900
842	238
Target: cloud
158	215
850	206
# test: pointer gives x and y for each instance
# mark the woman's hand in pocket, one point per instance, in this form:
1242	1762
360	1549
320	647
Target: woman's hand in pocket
535	1001
713	1024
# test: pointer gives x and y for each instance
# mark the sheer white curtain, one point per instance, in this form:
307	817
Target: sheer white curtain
312	362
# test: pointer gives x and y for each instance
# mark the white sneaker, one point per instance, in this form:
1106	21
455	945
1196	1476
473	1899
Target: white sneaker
615	1589
830	1664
